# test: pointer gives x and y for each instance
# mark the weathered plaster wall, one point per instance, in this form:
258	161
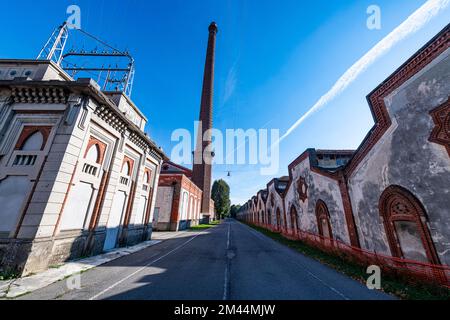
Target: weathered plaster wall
164	203
319	188
13	192
154	193
405	157
254	210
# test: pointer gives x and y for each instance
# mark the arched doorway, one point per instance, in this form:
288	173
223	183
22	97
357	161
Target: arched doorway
269	217
405	222
294	220
323	220
278	214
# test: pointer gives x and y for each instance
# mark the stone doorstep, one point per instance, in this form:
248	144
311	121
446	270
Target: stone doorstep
17	287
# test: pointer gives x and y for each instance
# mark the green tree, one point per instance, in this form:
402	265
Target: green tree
220	193
234	210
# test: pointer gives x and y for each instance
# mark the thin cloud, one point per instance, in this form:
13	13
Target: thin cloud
412	24
230	83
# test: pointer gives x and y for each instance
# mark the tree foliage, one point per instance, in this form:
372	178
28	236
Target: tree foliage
234	210
220	193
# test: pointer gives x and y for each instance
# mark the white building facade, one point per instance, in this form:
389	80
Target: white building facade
78	175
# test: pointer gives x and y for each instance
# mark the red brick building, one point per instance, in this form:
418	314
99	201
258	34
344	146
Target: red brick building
178	201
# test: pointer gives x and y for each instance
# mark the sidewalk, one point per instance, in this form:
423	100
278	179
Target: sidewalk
165	235
17	287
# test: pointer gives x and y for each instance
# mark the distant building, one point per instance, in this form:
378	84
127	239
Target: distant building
178	203
276	189
261	198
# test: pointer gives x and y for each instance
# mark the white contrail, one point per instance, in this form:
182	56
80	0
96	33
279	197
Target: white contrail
413	23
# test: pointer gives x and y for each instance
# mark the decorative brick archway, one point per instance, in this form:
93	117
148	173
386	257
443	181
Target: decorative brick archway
398	205
323	219
101	147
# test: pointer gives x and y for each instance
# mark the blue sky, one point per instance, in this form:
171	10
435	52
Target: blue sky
274	60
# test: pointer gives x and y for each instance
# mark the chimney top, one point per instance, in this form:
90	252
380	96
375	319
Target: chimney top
213	27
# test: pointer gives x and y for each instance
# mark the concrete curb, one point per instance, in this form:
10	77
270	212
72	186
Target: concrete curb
21	286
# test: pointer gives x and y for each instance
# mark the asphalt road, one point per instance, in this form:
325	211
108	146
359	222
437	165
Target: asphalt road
228	262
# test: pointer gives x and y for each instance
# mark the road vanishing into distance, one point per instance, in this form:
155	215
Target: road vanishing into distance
228	262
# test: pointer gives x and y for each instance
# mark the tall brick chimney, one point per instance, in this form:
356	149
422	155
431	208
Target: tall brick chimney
201	173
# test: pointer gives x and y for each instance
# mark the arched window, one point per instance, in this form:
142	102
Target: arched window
33	138
184	205
294	219
34	142
146	180
405	222
323	220
126	171
95	150
269	217
191	208
126	168
194	209
93	154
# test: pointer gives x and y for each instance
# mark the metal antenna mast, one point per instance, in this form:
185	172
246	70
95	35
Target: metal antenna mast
118	78
130	78
123	83
54	48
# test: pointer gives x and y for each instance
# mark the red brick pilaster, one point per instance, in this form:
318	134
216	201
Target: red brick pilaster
348	211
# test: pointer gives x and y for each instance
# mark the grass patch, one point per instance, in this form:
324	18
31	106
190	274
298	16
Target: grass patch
389	284
205	226
8	275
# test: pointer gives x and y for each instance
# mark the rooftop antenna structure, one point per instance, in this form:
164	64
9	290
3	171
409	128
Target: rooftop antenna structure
118	77
54	47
